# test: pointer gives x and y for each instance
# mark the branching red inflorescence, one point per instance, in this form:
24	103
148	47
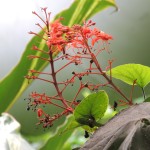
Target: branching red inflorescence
74	44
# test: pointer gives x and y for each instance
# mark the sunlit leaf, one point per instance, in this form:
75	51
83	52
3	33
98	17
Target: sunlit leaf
91	109
82	10
72	125
110	113
130	72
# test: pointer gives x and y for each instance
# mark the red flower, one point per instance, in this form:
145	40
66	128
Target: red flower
97	35
56	35
74	43
80	35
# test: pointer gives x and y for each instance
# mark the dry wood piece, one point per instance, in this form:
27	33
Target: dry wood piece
129	130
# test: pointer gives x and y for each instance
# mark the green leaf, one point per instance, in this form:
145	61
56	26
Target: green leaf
110	113
57	141
72	125
91	109
15	83
82	10
131	72
147	99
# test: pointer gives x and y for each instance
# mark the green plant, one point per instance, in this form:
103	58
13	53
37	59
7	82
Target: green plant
72	45
16	78
73	42
77	45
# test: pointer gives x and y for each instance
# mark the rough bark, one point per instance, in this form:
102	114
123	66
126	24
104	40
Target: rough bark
129	130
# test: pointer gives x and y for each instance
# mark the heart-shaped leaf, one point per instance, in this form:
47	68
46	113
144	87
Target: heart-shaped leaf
91	109
131	72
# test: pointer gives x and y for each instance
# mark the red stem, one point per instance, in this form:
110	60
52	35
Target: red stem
55	81
81	87
104	74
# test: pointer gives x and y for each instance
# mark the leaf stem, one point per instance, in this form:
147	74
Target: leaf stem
104	74
143	91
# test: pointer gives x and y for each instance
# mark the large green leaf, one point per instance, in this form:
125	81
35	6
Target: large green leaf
82	10
13	85
131	72
91	109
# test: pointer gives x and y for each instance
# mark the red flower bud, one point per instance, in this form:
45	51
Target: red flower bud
40	112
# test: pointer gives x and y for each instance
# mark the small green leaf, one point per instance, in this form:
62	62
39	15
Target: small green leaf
131	72
89	129
91	109
110	113
74	124
147	99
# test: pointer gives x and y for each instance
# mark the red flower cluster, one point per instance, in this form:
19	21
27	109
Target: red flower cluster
75	44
